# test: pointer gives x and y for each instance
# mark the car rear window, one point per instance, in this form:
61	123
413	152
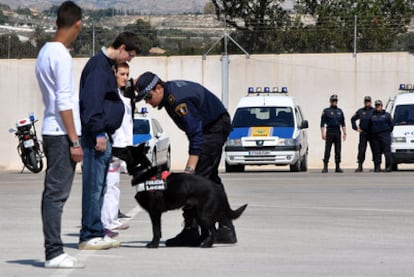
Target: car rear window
263	116
141	127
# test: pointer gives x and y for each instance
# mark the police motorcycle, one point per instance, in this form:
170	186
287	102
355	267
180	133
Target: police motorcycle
29	147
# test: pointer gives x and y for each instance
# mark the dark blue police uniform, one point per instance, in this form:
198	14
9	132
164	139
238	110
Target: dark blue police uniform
380	127
333	118
363	115
204	119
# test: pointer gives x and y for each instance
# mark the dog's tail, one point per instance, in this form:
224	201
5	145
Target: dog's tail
234	214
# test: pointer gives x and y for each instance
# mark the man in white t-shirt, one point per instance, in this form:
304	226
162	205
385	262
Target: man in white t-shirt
60	130
121	138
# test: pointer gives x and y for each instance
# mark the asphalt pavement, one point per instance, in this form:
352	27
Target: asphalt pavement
296	224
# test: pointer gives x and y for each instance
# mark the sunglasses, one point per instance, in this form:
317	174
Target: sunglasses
148	96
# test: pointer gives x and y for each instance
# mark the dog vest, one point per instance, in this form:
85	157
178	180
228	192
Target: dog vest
154	183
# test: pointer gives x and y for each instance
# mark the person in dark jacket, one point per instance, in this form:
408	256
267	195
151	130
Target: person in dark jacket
380	128
332	120
101	113
206	122
363	115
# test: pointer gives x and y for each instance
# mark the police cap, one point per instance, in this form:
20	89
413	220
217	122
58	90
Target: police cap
145	83
334	97
367	98
378	103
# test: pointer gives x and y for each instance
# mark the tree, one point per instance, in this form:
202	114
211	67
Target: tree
379	22
259	24
146	33
3	18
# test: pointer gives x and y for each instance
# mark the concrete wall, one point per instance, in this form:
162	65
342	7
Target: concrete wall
311	79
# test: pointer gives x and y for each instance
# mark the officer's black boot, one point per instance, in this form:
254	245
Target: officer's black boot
338	168
226	233
325	167
189	236
359	168
377	168
388	168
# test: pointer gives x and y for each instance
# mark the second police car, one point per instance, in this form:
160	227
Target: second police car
401	108
268	129
147	129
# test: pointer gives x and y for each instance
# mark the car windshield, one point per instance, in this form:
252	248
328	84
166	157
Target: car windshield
404	115
141	127
263	116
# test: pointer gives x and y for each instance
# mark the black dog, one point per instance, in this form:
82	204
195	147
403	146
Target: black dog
208	198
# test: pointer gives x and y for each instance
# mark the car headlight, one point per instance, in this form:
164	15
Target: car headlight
287	141
234	142
399	139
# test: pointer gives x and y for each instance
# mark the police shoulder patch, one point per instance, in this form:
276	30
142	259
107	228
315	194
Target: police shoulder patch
181	109
171	99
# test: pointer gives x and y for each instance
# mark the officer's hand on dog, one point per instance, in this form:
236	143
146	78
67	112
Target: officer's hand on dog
189	170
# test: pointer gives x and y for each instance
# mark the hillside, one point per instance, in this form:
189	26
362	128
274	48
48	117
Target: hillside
143	6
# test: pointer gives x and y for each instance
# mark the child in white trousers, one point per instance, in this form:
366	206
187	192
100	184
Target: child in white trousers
121	138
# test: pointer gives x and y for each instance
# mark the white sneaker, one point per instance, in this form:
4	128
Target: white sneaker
95	244
114	243
63	261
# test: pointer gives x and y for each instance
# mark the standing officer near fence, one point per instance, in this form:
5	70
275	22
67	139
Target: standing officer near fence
332	120
381	126
363	115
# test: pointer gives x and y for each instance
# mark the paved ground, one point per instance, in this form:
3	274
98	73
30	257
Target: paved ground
306	224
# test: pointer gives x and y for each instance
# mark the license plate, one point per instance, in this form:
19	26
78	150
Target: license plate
28	143
259	153
157	184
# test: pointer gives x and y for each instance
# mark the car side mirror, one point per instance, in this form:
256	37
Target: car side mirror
304	124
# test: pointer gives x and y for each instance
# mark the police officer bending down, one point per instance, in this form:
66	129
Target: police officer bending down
381	126
206	122
333	118
363	115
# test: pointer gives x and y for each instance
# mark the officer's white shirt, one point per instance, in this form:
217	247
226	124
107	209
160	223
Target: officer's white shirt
123	135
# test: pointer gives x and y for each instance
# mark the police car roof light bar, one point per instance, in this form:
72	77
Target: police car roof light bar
407	87
284	90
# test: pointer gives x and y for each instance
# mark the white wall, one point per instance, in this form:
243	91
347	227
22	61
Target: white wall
311	79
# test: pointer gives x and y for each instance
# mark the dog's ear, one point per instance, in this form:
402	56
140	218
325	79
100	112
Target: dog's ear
121	153
139	154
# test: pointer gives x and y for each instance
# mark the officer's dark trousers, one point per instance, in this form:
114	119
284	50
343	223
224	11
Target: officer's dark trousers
215	135
364	139
382	145
333	136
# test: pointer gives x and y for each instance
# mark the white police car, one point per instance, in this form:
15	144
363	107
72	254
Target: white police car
401	108
149	130
268	128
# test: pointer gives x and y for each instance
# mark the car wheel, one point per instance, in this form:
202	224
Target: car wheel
304	163
154	157
167	165
295	167
234	168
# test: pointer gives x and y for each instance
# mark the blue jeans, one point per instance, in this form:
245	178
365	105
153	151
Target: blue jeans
94	169
57	185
